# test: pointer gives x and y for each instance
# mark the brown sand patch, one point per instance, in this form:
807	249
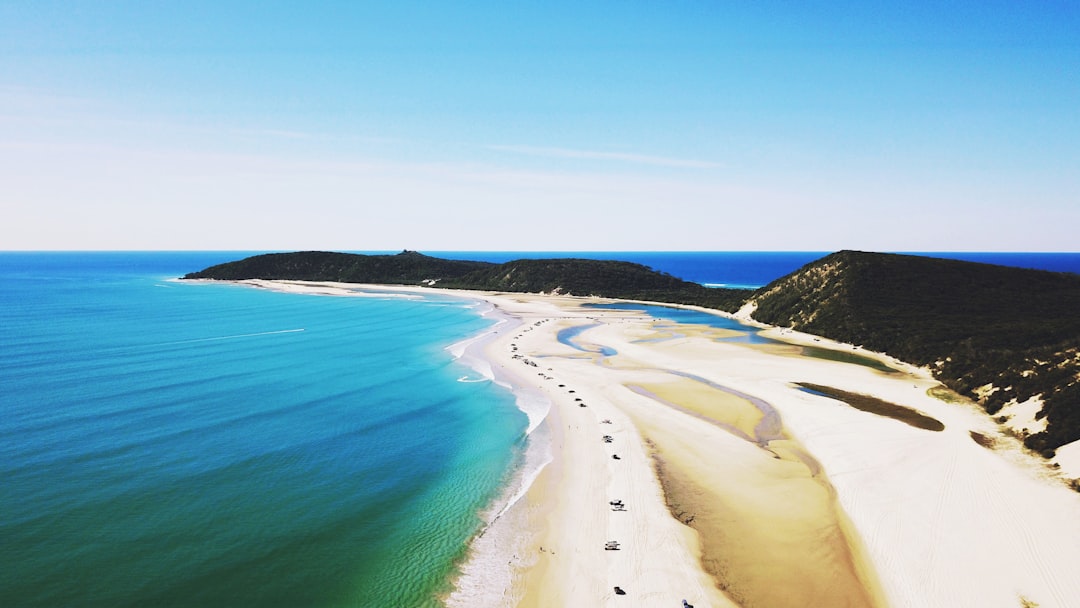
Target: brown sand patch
665	331
983	440
709	333
771	532
877	406
705	401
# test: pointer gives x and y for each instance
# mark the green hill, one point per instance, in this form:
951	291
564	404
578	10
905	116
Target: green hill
607	278
571	276
405	268
566	276
1013	332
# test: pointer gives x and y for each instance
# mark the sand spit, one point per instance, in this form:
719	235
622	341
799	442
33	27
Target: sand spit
778	497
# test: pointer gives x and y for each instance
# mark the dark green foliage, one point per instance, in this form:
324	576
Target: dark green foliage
573	276
1062	419
567	276
972	324
605	278
405	268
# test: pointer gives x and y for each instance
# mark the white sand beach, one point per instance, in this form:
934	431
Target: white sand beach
734	487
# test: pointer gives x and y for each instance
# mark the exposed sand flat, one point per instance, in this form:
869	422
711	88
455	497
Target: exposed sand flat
657	560
769	525
770	531
796	499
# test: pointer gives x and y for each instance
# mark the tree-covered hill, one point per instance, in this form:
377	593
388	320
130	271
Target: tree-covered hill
572	276
605	278
405	268
1013	332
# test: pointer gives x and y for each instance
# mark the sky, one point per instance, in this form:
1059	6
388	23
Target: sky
540	126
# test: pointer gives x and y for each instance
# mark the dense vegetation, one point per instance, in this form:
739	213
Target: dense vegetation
993	333
405	268
566	276
605	278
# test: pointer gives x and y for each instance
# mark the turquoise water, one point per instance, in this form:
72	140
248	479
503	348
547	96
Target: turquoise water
167	443
750	334
569	336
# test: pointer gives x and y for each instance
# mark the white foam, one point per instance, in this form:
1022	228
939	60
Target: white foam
458	349
470	352
535	405
499	551
535	462
532	402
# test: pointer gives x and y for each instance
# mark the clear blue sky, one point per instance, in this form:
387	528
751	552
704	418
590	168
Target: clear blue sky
908	126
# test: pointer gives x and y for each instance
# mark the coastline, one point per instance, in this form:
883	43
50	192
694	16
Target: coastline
897	504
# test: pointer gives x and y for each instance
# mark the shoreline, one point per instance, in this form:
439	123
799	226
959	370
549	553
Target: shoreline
908	504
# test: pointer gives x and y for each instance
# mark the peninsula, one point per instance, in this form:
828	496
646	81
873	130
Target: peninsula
1006	338
689	462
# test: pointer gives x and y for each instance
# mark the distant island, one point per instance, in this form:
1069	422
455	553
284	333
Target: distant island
998	335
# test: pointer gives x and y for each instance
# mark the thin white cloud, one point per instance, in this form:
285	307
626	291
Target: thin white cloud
642	159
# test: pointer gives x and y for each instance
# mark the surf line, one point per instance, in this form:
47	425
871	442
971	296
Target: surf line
261	333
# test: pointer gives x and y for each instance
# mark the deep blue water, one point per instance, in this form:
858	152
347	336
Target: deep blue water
168	443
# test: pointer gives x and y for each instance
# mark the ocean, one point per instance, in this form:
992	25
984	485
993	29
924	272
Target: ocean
177	444
165	443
